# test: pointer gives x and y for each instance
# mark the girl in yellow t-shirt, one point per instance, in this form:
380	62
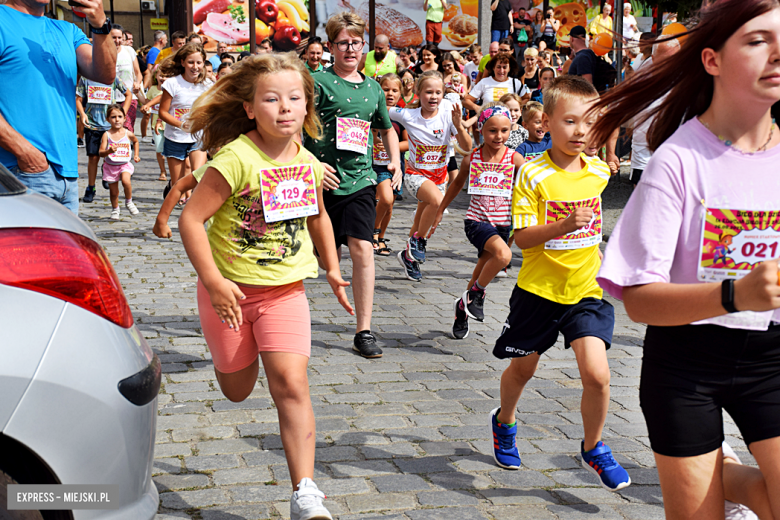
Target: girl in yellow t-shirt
262	196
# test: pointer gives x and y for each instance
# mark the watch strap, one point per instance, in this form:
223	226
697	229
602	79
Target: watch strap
727	296
105	29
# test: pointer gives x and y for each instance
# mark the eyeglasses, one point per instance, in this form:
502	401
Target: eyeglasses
345	46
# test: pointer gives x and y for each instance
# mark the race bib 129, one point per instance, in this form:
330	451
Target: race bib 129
491	179
586	236
735	241
352	134
288	192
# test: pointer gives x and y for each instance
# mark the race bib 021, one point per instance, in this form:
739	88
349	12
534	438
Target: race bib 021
288	192
98	95
586	236
381	157
734	242
430	157
491	179
352	134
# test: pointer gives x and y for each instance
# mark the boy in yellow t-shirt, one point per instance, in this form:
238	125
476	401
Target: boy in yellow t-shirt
556	216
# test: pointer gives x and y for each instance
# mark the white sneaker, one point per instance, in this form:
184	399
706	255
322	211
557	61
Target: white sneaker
502	273
131	207
115	213
736	511
306	503
728	453
146	139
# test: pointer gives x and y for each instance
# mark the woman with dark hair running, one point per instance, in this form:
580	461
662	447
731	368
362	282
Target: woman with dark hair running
713	335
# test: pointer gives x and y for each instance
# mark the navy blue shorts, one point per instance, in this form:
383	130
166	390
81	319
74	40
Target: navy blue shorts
534	322
479	233
178	151
92	139
383	174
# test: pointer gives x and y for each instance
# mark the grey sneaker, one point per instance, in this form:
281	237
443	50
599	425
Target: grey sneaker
306	503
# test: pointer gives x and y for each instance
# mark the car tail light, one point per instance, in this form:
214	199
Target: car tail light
64	265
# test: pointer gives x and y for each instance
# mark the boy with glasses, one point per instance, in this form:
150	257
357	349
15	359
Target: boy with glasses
350	105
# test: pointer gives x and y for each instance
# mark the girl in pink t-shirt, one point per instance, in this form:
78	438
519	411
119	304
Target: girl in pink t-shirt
713	336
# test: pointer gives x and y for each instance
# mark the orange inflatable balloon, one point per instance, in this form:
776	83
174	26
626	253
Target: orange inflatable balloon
601	44
675	28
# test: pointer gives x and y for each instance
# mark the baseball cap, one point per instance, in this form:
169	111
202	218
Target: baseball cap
577	31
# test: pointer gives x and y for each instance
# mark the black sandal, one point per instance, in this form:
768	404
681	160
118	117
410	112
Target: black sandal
383	250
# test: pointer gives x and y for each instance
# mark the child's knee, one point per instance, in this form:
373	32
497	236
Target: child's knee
504	254
596	378
521	370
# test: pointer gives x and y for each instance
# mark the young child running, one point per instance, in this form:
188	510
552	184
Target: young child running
539	140
429	126
556	213
152	106
262	193
488	218
391	85
518	134
187	82
115	147
546	75
92	102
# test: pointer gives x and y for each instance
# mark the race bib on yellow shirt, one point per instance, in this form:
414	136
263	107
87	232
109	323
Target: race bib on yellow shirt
352	134
733	242
430	157
288	192
491	179
98	95
586	236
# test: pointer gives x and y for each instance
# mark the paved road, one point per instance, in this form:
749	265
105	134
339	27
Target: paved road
403	437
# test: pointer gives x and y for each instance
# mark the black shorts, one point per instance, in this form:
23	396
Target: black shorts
92	140
634	176
534	322
693	372
352	215
452	164
479	233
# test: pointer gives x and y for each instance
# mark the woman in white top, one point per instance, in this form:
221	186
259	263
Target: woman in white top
629	22
187	82
496	82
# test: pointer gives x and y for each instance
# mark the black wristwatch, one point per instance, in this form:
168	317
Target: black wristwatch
727	296
106	29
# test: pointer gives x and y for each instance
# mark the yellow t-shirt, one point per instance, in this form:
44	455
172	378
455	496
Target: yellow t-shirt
163	54
600	25
563	276
245	247
483	62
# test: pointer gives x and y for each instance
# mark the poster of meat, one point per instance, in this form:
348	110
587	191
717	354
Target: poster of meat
285	22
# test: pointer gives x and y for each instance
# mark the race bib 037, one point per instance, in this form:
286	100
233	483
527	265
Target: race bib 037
430	157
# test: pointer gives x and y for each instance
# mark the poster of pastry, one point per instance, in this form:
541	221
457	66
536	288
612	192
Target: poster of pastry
569	14
285	22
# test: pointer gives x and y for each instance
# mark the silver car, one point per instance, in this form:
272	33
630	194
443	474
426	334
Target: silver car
78	383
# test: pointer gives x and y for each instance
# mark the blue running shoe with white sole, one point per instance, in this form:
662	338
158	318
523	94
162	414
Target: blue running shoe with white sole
504	443
415	248
411	268
601	463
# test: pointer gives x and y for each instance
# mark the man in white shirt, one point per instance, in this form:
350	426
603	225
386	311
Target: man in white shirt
128	72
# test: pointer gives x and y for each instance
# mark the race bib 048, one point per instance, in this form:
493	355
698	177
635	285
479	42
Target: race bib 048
288	192
586	236
98	95
430	157
491	179
352	134
734	242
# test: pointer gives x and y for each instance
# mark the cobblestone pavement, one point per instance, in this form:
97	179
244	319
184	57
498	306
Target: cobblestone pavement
403	437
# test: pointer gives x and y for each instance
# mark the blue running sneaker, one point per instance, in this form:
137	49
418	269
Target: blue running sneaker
411	268
504	443
601	463
415	248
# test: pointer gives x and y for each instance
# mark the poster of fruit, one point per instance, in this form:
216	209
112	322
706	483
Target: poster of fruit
285	22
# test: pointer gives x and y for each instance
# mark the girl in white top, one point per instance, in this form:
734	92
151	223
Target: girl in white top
186	84
118	145
429	128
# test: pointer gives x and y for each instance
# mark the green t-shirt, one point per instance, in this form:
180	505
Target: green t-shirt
435	11
245	247
483	62
338	98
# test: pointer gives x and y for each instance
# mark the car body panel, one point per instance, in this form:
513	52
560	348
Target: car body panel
33	210
19	364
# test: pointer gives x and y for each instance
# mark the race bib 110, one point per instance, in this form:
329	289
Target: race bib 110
98	95
491	179
352	134
735	241
586	236
288	192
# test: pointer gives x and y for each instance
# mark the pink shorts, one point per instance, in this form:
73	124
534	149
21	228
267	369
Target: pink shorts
276	319
113	172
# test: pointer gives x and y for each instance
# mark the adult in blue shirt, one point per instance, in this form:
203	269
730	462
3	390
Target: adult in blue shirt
40	59
216	60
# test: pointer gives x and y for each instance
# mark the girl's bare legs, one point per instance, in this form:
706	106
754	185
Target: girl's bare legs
384	208
126	186
176	167
161	164
145	124
430	195
113	193
197	159
692	487
745	485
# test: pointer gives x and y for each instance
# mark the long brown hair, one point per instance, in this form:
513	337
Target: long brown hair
174	66
682	75
220	112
